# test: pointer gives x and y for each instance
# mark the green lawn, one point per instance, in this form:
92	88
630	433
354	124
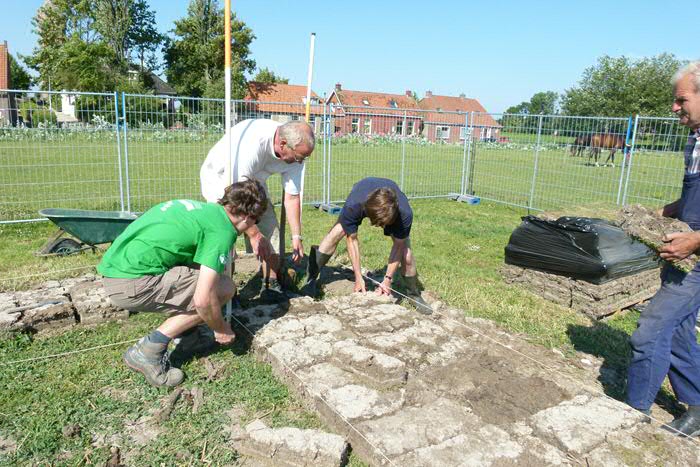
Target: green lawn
459	249
77	173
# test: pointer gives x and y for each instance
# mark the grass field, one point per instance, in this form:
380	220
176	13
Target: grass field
85	174
459	249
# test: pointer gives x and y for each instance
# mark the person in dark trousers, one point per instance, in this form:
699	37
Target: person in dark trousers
380	200
665	340
172	260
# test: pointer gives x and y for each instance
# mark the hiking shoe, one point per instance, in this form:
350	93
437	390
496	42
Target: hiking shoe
198	341
688	424
273	292
151	360
420	304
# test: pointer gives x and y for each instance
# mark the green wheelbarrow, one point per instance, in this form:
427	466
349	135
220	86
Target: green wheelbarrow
89	229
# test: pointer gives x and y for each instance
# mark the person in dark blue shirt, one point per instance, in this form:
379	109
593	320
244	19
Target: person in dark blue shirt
380	200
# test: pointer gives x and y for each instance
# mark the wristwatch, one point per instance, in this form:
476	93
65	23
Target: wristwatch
297	237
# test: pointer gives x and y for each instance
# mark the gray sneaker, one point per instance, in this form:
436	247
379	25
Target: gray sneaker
198	341
151	360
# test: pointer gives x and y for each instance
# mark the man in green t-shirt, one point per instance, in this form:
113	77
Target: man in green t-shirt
171	259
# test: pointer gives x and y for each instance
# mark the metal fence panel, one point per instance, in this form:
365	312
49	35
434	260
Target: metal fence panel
422	151
58	150
128	151
656	165
581	160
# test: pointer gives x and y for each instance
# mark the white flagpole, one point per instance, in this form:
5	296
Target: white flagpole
227	125
308	114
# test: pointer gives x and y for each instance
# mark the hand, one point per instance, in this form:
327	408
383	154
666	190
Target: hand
384	288
297	250
679	245
226	337
360	285
262	247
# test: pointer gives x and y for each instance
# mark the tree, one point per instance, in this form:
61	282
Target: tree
541	103
144	40
195	55
265	75
55	23
620	86
85	66
19	78
113	21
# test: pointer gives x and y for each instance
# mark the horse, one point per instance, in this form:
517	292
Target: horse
580	143
600	141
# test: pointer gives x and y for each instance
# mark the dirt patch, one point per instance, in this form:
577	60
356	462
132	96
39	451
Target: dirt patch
7	446
492	389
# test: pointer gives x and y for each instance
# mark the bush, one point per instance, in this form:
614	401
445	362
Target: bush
35	115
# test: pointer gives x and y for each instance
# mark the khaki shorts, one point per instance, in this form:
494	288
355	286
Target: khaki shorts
269	227
169	292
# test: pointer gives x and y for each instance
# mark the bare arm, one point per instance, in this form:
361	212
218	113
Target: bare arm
208	305
292	204
397	251
354	252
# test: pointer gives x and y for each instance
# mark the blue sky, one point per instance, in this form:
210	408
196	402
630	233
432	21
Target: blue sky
500	52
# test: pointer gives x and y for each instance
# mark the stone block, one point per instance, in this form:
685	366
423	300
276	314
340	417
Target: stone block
582	423
52	316
291	447
375	366
92	305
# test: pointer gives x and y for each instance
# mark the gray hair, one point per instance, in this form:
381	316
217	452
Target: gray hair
297	132
692	68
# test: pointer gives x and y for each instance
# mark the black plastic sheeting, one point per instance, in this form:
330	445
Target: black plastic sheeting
589	249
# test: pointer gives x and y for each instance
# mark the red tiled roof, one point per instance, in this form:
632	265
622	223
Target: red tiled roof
268	96
376	102
448	105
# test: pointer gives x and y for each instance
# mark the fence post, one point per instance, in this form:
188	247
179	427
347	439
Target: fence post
537	156
119	151
625	153
629	165
465	155
330	155
324	134
403	151
126	153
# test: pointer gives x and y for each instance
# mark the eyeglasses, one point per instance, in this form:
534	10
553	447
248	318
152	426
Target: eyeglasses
297	157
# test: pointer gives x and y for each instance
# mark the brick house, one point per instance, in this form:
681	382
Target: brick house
445	119
8	107
373	113
279	102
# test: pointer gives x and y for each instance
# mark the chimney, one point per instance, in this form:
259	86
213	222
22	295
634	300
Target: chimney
337	87
462	96
4	66
428	93
409	93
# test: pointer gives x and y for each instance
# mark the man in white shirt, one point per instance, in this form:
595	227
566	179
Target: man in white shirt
260	148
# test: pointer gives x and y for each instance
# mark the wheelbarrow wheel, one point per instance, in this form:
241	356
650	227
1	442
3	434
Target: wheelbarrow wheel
65	247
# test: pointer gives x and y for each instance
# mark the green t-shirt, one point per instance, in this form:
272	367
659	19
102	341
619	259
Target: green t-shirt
175	233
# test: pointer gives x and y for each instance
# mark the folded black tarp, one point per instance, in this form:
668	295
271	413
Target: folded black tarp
593	250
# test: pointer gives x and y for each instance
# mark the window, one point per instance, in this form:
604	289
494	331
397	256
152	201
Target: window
463	132
393	104
399	127
295	117
355	125
368	126
409	128
365	101
442	132
267	116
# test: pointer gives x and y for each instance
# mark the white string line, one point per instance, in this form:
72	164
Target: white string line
63	354
543	365
320	396
44	273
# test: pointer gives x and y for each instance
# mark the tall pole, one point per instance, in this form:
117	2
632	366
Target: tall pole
227	125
